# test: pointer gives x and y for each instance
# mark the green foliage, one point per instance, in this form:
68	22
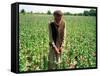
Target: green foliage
49	12
90	13
23	11
80	49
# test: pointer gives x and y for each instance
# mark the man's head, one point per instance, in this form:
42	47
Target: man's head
57	15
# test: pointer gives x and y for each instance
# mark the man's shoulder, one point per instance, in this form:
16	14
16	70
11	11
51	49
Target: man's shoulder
63	21
51	22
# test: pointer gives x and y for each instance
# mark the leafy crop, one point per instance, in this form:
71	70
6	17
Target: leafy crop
80	49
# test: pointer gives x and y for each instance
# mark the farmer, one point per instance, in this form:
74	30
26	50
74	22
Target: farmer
56	40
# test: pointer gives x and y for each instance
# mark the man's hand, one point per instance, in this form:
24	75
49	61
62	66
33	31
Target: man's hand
57	50
60	49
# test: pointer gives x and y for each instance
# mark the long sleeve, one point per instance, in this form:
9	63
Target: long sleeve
51	42
64	41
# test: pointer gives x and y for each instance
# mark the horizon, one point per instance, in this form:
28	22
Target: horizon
44	9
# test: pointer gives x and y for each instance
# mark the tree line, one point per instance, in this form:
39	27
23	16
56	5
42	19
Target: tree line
91	12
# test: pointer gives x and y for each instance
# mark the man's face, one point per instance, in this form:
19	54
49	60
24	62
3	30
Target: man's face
57	18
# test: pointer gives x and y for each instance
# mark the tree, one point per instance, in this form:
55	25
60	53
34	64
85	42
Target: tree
23	11
31	12
67	13
49	12
86	13
92	12
80	14
75	14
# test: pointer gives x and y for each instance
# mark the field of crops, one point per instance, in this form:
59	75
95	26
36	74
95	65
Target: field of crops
80	49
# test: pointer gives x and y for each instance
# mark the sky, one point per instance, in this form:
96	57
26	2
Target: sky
44	9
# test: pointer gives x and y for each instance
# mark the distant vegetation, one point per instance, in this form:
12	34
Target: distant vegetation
91	12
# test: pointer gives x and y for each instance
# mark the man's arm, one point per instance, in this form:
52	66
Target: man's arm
51	43
64	41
